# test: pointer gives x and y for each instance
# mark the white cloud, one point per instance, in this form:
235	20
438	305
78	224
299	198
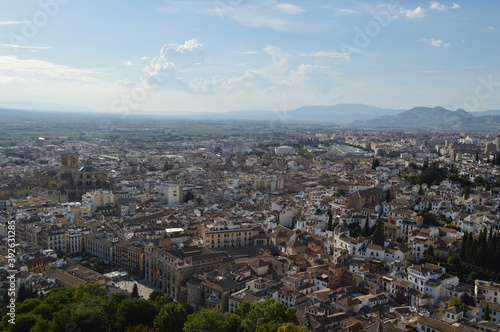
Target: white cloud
163	71
10	22
269	15
128	63
247	52
422	12
347	11
342	55
125	83
436	42
491	28
38	69
144	58
201	86
290	9
189	53
438	6
25	47
280	79
278	82
416	13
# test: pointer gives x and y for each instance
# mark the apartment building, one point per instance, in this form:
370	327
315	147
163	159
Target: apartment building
217	236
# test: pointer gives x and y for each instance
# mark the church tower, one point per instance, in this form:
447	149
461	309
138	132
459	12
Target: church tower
69	160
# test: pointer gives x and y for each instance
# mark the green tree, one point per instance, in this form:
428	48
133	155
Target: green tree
24	322
135	311
365	226
454	302
171	317
207	320
430	251
425	165
479	181
189	196
412	165
167	166
264	312
289	327
467	299
135	292
5	297
28	306
109	307
378	235
429	218
340	192
471	278
421	191
154	294
375	163
330	220
141	328
487	312
22	294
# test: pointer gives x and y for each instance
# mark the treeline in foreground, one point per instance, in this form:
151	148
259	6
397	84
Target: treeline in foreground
89	308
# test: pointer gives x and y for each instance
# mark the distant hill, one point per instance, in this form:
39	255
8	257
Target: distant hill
357	115
437	117
483	113
341	113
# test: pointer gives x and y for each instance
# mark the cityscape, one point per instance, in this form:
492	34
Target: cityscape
235	166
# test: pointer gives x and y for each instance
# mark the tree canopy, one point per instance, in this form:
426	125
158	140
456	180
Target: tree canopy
90	308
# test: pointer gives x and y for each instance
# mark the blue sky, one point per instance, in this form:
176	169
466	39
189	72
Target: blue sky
221	55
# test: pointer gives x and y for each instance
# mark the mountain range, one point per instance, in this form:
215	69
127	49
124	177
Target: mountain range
437	118
354	115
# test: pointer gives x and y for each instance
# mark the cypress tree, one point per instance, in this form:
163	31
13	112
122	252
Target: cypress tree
22	294
135	292
430	251
378	235
330	221
463	246
366	227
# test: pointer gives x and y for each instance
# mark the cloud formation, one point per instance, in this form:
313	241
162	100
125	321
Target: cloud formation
437	6
422	12
25	47
436	42
38	69
341	55
416	13
10	22
290	9
163	70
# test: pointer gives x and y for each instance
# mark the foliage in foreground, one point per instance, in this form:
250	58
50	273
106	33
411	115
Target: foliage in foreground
89	308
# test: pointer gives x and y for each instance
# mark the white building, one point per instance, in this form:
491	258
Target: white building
98	198
173	194
284	150
419	275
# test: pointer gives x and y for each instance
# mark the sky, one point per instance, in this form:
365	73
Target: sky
223	55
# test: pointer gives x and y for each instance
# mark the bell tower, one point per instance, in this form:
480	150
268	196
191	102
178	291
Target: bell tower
69	160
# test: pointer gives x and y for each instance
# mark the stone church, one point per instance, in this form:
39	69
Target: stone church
71	179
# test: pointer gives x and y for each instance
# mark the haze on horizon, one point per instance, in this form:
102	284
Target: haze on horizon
223	55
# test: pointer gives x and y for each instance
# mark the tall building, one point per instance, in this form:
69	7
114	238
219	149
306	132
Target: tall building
169	268
71	179
173	194
217	236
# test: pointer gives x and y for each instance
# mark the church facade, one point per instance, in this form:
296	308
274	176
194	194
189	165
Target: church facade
71	179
